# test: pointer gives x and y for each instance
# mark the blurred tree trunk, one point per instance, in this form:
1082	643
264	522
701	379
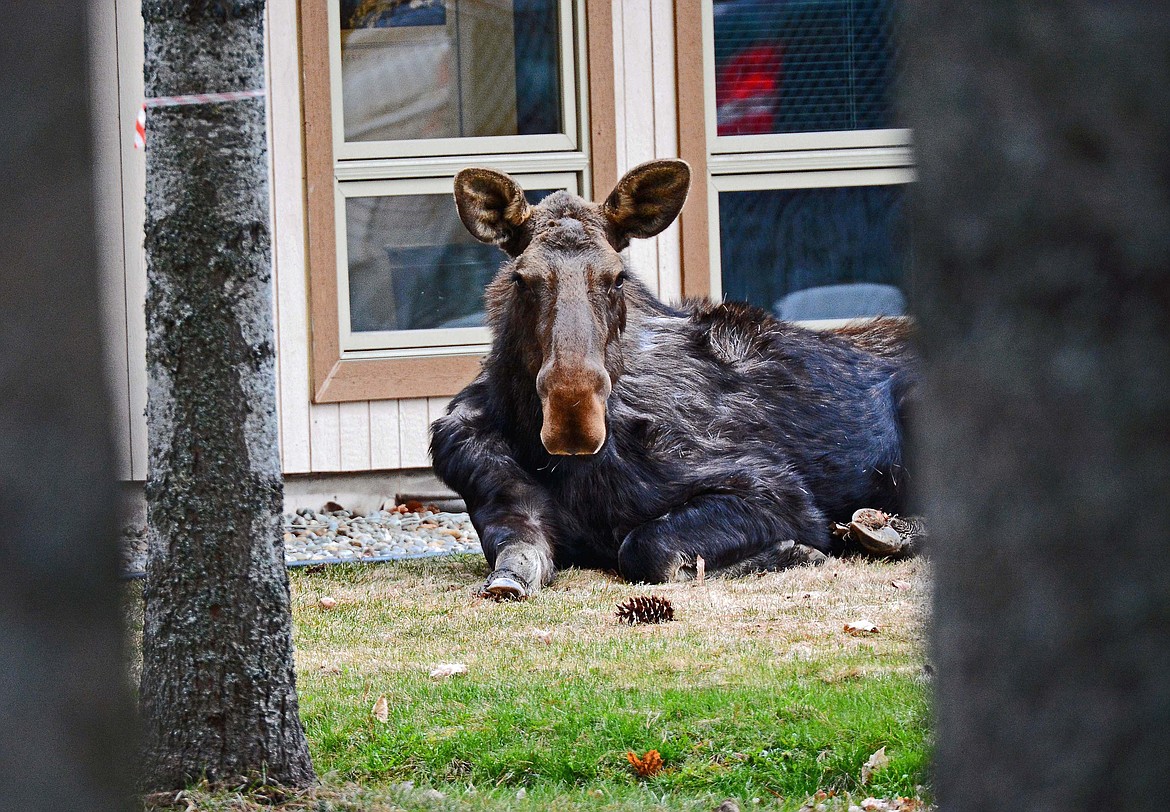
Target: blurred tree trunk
218	693
64	695
1043	245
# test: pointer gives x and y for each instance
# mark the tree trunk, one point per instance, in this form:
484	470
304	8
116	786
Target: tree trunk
218	690
1043	247
64	695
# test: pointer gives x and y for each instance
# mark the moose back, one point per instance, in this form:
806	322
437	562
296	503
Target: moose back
609	430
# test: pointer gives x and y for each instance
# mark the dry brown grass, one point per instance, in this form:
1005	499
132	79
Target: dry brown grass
795	615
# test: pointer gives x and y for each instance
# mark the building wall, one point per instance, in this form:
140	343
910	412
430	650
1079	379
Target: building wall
335	437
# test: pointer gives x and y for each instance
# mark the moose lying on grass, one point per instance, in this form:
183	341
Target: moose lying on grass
609	430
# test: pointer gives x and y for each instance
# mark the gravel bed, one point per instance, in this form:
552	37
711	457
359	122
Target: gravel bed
338	536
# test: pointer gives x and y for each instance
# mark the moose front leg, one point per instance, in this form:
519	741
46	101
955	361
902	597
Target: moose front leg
518	548
733	535
511	512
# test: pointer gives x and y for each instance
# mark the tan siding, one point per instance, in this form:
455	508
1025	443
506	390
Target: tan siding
665	135
111	251
384	447
130	97
414	420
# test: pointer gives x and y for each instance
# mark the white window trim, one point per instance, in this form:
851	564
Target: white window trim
428	166
572	49
788	180
775	161
412	343
778	142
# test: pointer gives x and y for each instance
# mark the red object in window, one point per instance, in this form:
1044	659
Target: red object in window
753	72
746	90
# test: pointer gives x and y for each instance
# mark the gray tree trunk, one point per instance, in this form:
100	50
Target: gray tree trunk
64	696
1043	248
218	693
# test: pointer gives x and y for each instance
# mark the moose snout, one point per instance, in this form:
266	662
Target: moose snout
573	406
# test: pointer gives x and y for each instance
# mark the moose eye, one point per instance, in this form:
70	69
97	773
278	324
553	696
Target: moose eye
619	281
518	280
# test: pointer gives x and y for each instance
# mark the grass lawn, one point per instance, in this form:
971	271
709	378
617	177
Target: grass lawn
755	691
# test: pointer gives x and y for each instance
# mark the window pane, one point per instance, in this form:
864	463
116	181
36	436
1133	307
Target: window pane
412	264
449	68
788	66
816	253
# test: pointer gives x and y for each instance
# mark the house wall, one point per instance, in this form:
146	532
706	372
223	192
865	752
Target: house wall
335	437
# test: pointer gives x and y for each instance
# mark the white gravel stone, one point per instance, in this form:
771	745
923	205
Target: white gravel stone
319	536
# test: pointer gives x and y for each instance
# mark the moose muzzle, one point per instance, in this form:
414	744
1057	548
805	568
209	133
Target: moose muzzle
573	405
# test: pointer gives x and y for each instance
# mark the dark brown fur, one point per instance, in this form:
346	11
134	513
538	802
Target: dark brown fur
610	430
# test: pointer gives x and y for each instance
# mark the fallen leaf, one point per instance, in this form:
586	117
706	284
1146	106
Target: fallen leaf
382	710
448	670
330	668
646	766
900	584
700	569
543	635
875	763
860	627
327	602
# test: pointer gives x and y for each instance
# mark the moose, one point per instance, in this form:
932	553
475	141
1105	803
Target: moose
609	430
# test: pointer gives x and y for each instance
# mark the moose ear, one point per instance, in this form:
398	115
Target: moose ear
646	200
493	208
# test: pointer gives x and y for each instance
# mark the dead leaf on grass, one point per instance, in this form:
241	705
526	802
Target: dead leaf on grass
646	766
876	761
700	570
382	710
330	668
543	635
861	627
327	602
443	670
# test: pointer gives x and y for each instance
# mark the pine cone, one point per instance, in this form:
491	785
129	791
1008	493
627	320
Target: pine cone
645	609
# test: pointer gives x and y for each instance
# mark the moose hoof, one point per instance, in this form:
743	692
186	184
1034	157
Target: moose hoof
884	535
812	556
504	588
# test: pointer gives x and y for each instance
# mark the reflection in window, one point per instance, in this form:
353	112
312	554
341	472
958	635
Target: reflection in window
449	68
816	253
412	264
787	66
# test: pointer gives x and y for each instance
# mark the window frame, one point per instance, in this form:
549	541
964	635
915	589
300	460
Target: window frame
414	342
355	374
567	141
757	162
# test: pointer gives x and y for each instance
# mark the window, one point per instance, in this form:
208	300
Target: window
804	162
400	95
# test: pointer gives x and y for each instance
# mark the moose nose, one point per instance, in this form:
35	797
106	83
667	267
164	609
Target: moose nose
573	406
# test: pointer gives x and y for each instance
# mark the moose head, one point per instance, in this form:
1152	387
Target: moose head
562	301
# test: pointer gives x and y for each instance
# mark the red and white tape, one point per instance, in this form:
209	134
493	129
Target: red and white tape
140	129
178	101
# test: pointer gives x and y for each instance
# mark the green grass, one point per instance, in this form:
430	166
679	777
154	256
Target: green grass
755	692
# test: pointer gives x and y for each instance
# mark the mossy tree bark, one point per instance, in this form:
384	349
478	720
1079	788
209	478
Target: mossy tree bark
1042	132
218	694
65	706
